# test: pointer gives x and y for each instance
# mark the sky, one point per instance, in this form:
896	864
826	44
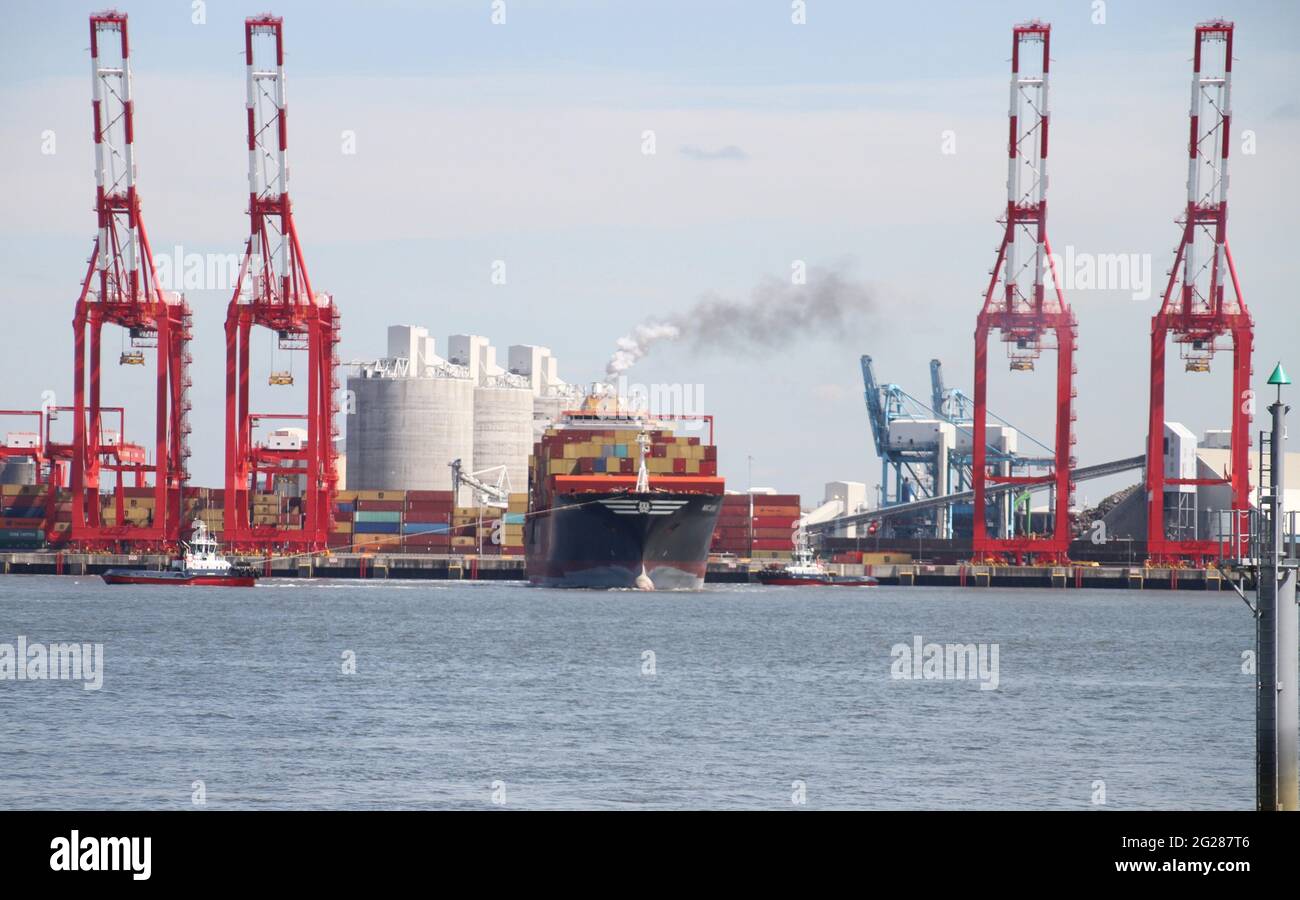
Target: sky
824	142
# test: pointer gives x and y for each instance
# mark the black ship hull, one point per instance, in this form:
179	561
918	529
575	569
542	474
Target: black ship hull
652	541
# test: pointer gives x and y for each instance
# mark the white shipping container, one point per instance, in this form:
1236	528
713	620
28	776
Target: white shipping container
21	440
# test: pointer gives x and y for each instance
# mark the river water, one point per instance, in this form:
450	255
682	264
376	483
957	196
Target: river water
483	695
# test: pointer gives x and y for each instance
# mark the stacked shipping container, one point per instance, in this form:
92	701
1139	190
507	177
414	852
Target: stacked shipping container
768	534
365	521
614	451
22	516
426	522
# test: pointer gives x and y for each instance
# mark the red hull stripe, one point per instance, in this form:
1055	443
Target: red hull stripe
196	580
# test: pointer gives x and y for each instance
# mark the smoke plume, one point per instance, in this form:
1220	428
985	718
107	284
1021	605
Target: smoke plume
776	312
637	344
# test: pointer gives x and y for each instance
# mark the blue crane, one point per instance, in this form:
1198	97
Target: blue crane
905	474
909	475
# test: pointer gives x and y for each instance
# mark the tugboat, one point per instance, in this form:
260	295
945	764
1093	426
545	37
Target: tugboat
202	564
804	569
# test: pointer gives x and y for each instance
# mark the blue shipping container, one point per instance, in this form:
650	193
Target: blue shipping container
375	527
426	528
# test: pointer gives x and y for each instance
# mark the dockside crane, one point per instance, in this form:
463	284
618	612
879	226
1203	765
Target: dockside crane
952	404
1199	315
274	292
121	288
1028	317
905	474
497	495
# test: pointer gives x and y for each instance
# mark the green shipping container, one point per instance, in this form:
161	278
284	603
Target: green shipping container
377	515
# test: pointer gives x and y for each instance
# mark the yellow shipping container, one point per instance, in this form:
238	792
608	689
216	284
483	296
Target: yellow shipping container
379	495
377	541
883	559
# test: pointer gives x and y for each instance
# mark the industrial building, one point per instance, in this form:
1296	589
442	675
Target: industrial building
412	412
1198	511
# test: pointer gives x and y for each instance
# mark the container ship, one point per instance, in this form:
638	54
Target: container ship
621	500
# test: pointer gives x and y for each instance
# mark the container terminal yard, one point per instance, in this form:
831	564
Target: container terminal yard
432	473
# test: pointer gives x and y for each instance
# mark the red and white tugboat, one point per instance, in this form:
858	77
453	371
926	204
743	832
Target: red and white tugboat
202	564
805	569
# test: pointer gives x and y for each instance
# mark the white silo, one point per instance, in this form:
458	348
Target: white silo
403	432
503	431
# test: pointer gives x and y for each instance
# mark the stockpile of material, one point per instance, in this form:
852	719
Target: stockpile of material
769	534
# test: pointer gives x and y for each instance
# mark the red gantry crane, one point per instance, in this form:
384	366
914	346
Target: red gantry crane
1196	312
1029	316
274	292
121	288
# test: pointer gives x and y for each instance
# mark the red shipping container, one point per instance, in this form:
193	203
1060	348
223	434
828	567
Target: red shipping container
417	497
342	515
381	505
430	508
764	534
732	533
708	467
775	521
777	499
423	518
773	544
679	467
788	512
